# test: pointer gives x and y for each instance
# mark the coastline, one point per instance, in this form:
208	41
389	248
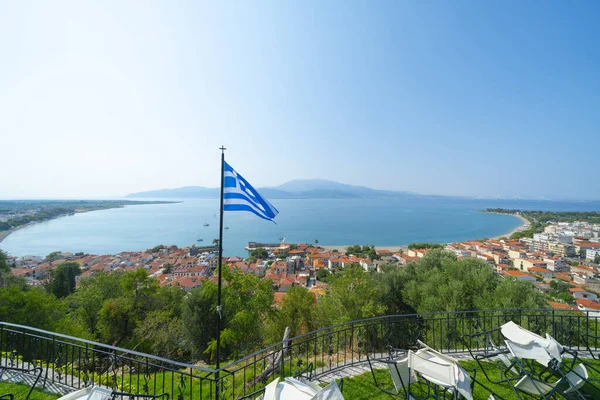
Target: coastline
5	234
342	249
523	227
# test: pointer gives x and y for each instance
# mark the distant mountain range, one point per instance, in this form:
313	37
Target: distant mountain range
296	189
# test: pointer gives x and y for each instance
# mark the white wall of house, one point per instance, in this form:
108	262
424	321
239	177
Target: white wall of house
590	254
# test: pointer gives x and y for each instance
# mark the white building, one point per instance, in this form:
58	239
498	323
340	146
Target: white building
590	254
566	239
557	265
538	237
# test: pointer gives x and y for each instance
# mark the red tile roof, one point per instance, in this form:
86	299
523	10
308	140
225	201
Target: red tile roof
588	304
561	306
540	270
514	273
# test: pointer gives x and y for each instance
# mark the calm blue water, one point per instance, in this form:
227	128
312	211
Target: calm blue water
332	222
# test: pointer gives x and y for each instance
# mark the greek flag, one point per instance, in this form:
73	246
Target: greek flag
239	195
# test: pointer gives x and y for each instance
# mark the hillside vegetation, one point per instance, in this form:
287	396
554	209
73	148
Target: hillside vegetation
130	309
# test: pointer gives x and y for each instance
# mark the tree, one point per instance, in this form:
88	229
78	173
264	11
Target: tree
156	249
89	299
52	255
297	313
440	282
215	242
316	242
417	246
62	279
364	251
5	270
323	275
515	293
260	252
356	250
390	283
597	258
372	253
167	268
199	317
162	332
351	295
247	305
31	307
119	316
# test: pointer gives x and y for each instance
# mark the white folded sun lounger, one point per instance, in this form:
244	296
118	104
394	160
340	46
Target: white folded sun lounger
522	336
295	389
576	379
89	393
441	370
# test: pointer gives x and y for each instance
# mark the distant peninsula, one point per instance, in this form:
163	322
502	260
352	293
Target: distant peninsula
296	189
16	214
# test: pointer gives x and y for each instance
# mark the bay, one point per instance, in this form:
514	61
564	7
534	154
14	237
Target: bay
380	222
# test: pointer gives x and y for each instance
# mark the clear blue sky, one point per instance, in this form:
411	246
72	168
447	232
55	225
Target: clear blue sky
474	98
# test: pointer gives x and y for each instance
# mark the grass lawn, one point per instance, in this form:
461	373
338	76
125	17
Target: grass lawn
362	387
20	392
354	388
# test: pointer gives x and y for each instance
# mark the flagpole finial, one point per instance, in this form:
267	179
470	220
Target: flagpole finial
222	148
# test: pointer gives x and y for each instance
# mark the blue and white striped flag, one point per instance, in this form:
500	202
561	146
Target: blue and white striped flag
239	195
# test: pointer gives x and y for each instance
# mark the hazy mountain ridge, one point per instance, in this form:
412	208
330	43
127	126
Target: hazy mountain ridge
295	189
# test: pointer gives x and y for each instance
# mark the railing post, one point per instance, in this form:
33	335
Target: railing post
1	342
448	333
553	325
587	329
282	367
352	344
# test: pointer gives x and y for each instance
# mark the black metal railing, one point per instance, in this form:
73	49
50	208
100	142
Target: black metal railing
72	363
330	349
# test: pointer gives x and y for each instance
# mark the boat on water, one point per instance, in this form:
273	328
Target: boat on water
199	240
206	224
226	227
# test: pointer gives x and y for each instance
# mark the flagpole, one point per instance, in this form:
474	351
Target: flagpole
219	306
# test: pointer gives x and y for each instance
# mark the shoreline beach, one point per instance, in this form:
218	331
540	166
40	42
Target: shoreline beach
5	234
342	249
524	226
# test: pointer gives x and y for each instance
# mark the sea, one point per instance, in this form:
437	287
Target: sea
336	222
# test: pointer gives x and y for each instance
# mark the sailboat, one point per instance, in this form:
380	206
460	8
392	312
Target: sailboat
206	223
